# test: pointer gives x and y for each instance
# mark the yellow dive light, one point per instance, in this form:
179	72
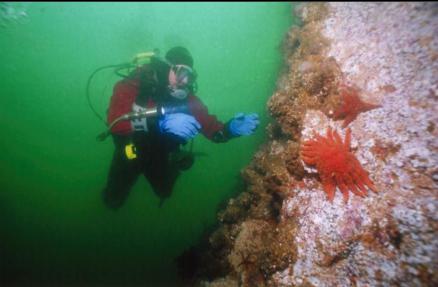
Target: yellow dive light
130	151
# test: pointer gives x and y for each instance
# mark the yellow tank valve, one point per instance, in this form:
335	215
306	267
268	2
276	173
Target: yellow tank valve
143	58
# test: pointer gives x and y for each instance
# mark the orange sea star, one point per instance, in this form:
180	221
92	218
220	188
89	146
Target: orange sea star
336	165
351	105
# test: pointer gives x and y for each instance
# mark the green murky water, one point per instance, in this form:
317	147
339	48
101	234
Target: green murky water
54	229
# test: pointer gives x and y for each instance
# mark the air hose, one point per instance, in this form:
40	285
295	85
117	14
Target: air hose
138	60
90	78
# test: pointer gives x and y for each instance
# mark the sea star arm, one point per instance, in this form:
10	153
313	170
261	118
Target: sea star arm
337	139
343	187
329	187
348	119
361	177
352	186
347	141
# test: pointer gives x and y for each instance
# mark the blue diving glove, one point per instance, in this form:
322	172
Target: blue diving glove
182	125
243	125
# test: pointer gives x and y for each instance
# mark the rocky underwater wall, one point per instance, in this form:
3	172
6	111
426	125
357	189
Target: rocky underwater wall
345	192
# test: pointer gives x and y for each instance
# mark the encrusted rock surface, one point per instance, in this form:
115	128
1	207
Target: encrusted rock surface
282	231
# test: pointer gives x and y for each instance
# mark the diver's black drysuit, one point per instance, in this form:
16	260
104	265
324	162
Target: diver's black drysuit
157	155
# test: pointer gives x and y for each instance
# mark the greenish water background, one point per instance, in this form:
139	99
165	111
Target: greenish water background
54	228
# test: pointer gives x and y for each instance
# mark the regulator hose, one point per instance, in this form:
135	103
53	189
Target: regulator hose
90	78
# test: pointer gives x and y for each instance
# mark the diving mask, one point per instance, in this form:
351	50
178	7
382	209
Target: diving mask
181	80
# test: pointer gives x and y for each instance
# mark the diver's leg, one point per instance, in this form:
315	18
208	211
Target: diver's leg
162	176
122	176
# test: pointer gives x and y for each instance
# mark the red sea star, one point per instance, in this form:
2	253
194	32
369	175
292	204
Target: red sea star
351	105
337	166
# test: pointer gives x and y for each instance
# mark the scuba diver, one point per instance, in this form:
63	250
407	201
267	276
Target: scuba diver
152	145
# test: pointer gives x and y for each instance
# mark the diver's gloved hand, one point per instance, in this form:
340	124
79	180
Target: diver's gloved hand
243	125
183	125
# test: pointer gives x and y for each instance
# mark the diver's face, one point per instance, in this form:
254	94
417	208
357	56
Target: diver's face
180	78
